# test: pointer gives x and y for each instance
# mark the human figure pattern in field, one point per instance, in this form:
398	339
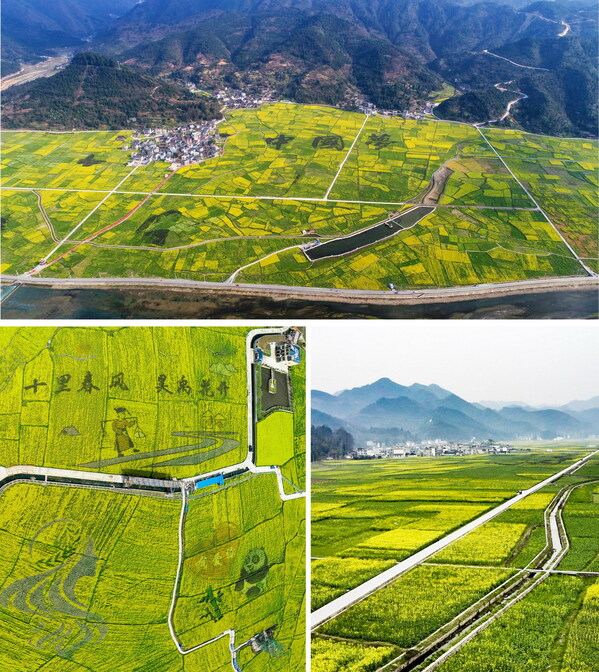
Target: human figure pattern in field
65	555
120	426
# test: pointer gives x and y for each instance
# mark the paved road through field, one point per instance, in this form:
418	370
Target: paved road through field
357	594
560	544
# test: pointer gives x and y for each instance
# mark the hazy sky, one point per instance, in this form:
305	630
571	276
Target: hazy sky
536	362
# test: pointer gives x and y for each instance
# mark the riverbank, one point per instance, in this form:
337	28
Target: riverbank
558	298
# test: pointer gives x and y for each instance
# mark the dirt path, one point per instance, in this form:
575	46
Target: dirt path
45	216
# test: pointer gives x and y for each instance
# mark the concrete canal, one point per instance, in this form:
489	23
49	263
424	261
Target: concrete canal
373	234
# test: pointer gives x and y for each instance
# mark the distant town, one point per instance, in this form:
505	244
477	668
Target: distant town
430	448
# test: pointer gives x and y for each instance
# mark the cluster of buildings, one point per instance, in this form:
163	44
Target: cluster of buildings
193	143
279	354
234	99
366	107
430	448
180	146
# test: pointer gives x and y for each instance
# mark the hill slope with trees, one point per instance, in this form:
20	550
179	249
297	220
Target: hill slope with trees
96	92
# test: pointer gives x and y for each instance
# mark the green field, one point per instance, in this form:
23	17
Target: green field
294	469
554	627
414	605
567	192
449	247
274	439
332	655
114	556
279	161
184	390
389	509
54	160
192	558
274	150
366	516
580	518
244	546
395	158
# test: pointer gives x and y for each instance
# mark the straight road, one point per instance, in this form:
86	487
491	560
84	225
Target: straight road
316	293
558	539
239	197
534	200
326	196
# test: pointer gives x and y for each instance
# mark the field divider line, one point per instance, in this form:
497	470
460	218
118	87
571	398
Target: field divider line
46	218
246	465
540	209
326	196
229	633
242	197
231	279
518	574
57	247
361	592
108	227
516	569
558	532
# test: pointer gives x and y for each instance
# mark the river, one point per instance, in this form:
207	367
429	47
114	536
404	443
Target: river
45	303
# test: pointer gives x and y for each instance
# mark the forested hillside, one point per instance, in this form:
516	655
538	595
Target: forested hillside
308	58
395	54
34	28
96	92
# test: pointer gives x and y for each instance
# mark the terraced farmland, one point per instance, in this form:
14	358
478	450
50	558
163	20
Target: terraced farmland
368	516
292	174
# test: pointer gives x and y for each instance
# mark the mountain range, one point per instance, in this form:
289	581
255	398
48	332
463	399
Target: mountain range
32	29
385	410
396	54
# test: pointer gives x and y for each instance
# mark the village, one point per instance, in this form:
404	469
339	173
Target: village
235	99
193	143
180	146
429	448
